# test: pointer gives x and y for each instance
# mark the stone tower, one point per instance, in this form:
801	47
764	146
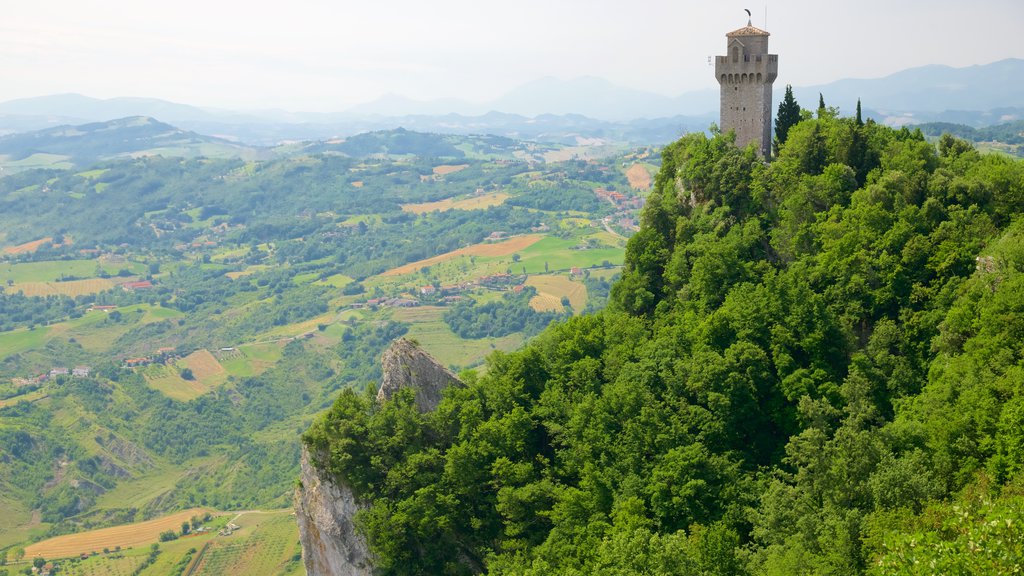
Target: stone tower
746	74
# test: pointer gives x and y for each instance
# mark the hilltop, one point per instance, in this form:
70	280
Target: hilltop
124	137
808	366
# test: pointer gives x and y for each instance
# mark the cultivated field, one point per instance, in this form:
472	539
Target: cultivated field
37	160
91	330
118	564
472	203
234	275
639	177
555	287
124	536
429	329
70	288
27	246
546	303
204	366
250	360
506	248
266	544
29	397
51	271
558	254
206	370
446	169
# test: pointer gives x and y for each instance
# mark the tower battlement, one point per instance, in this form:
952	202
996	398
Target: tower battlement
746	74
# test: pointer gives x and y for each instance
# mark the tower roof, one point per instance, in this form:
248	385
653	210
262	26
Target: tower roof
747	30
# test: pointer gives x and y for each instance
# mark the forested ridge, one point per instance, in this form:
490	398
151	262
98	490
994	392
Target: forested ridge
812	366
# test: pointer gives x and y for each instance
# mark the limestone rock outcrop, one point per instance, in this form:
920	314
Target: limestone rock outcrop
325	507
406	365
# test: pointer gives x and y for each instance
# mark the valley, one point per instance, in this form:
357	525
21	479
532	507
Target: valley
170	324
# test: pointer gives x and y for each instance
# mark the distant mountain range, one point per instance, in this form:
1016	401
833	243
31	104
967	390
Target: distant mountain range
562	110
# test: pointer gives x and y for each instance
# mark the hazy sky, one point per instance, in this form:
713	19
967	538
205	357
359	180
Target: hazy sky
326	55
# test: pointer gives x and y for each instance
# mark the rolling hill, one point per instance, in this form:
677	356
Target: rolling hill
124	137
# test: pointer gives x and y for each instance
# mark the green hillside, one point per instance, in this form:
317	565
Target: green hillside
813	366
212	307
65	146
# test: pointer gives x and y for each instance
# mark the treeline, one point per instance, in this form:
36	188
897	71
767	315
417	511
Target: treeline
811	366
499	317
18	310
1008	133
558	197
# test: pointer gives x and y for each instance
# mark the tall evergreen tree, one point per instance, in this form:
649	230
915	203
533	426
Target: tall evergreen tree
860	120
788	116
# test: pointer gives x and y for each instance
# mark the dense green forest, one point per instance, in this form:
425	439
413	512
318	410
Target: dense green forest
499	318
812	366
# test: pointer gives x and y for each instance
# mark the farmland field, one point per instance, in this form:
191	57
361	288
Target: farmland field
558	254
117	564
205	367
249	360
51	271
16	517
70	288
430	330
124	536
29	397
37	160
92	330
27	246
206	370
557	287
335	281
546	303
506	248
446	169
639	177
267	543
471	203
20	340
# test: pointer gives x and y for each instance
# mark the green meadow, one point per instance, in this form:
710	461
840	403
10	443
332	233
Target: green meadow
54	270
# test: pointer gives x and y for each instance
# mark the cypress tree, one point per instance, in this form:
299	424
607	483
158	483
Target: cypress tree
788	116
860	121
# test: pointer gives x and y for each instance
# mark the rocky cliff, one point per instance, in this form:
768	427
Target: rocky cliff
324	510
324	506
406	365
